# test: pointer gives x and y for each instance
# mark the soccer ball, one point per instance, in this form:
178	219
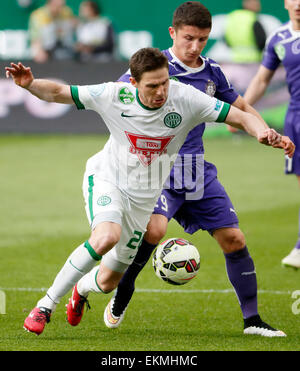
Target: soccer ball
176	261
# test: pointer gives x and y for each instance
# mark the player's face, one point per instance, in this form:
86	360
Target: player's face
188	43
293	7
153	87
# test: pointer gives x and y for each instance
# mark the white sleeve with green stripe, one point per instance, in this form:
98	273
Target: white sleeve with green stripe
94	97
206	108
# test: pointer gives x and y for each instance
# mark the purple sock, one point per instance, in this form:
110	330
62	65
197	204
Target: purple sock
242	275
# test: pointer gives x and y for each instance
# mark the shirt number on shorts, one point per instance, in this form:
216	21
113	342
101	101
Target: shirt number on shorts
134	242
164	202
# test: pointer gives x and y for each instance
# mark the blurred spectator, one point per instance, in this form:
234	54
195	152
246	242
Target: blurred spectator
51	30
244	34
95	34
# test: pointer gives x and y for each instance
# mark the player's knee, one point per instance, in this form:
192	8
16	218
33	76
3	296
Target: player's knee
156	229
103	242
234	240
155	234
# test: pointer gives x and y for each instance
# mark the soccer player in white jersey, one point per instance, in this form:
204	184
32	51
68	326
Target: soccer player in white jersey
198	202
283	46
148	120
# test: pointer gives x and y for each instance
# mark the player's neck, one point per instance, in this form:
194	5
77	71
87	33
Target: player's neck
195	63
295	24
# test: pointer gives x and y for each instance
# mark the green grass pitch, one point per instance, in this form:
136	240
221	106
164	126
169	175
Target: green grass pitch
43	219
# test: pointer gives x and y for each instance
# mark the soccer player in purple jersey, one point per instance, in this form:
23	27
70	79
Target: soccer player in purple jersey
283	46
207	207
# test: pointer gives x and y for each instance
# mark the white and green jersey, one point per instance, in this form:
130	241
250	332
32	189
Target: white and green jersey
144	142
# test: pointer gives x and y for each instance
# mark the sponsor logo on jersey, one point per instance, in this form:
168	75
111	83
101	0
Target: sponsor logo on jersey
125	96
280	51
147	148
172	120
104	200
296	47
218	105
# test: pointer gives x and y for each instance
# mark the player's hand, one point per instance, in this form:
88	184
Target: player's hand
269	137
286	144
21	75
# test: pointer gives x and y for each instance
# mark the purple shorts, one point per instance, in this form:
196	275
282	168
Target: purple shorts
213	211
292	130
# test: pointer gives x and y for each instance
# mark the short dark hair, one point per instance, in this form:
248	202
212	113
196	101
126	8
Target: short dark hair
145	60
192	13
94	6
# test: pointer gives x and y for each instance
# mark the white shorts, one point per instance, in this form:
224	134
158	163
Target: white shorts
104	202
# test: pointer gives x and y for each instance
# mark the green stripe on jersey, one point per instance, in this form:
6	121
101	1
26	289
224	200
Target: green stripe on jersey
224	112
75	96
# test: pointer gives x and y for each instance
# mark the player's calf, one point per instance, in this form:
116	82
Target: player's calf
230	239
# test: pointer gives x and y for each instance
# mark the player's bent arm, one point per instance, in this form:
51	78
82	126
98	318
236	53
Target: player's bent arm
247	122
51	91
243	105
47	90
258	85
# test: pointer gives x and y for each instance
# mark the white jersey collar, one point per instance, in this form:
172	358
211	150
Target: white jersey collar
292	31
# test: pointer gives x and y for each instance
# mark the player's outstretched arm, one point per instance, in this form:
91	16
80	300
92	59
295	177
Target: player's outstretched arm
47	90
255	127
258	85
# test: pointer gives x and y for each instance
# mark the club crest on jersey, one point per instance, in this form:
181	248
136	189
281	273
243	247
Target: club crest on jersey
147	148
104	200
210	88
172	120
125	96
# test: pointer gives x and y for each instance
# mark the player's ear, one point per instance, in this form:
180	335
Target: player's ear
172	32
133	81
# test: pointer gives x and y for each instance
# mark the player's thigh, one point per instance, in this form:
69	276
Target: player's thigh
167	205
134	224
213	211
103	201
104	208
292	130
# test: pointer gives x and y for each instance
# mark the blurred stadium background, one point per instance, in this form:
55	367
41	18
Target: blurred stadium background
137	25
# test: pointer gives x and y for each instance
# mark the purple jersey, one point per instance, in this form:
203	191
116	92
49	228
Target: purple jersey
208	78
283	45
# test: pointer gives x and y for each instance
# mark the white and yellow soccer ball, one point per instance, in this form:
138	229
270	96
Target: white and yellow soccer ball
176	261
